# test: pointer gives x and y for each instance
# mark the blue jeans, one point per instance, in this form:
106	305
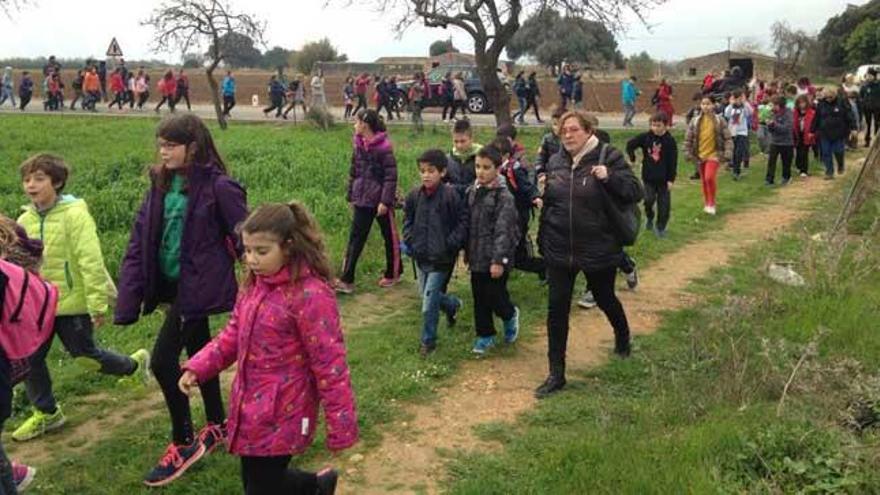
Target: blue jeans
629	111
830	150
523	103
434	299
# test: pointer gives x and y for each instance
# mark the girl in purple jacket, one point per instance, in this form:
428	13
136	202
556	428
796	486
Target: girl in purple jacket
286	340
372	193
182	253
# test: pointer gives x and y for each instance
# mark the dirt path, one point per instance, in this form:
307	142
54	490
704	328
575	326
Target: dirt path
498	390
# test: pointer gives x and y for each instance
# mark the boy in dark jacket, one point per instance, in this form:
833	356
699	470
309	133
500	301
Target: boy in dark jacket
550	145
869	95
434	230
833	125
25	90
781	128
659	166
490	250
525	196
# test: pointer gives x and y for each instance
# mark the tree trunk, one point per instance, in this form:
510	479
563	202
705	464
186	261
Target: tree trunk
215	96
496	93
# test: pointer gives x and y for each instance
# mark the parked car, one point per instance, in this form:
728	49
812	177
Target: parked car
862	71
477	102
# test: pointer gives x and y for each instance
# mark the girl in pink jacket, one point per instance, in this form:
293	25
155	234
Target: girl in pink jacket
285	337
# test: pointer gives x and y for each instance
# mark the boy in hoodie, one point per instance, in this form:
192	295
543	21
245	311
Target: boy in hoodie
659	166
434	231
460	172
25	90
490	250
73	262
526	196
739	118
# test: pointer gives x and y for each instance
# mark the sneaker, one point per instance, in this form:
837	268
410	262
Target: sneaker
710	210
769	183
829	177
804	175
785	182
38	424
327	479
632	278
649	225
387	283
482	345
587	302
426	350
452	317
143	374
22	476
212	436
661	233
175	462
551	385
695	177
511	327
343	288
736	177
839	171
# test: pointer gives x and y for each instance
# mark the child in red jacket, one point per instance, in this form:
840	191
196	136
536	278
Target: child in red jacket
286	339
804	138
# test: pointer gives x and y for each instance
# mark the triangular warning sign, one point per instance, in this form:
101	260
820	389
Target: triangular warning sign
113	50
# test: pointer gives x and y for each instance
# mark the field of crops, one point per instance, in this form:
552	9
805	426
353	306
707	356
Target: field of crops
109	159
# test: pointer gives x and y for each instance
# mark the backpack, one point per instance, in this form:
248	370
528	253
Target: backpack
656	98
626	218
27	315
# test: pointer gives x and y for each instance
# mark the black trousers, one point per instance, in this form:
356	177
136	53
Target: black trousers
531	103
776	151
118	99
183	96
277	105
561	285
143	99
490	298
228	104
740	153
871	115
271	476
361	224
24	99
658	193
166	99
459	104
802	158
524	258
362	103
7	484
175	335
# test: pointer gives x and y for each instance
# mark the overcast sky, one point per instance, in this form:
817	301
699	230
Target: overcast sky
680	28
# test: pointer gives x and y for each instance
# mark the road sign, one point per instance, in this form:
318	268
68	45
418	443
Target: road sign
113	50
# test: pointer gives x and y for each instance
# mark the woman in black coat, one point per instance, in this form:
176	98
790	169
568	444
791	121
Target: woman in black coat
576	235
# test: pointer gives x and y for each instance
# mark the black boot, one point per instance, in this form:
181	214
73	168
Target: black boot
554	383
622	345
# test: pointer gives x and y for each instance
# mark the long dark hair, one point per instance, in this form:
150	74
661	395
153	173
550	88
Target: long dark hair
189	130
372	119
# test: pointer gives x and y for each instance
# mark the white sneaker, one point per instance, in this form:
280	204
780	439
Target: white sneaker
706	210
710	210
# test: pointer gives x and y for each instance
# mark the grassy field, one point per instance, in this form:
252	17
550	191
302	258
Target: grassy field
109	158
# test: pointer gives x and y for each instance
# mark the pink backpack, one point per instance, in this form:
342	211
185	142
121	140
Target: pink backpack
27	315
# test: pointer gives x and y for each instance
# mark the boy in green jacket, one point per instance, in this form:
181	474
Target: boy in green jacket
73	262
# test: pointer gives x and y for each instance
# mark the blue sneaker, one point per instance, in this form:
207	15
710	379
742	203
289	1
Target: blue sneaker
511	327
452	316
482	345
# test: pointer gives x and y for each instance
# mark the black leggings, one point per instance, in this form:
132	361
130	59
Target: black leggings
802	158
166	99
271	476
175	335
531	103
871	115
561	282
360	230
362	103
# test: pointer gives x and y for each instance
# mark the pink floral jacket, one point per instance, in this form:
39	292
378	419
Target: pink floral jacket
287	342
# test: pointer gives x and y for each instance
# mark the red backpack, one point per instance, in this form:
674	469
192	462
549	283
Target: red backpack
27	315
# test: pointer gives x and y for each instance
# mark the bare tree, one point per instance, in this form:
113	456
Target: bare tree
790	46
491	24
184	24
8	6
748	45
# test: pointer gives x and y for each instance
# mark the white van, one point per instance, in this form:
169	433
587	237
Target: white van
862	71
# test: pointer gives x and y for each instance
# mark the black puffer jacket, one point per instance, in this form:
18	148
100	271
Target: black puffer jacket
435	226
833	120
575	232
493	227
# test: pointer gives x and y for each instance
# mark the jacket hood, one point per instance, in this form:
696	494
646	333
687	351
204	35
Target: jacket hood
465	156
65	202
380	142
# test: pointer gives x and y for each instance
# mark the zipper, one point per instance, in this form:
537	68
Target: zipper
68	277
571	217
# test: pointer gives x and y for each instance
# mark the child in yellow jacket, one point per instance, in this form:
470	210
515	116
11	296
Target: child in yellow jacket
74	263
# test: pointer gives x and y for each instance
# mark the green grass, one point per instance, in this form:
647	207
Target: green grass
109	158
695	409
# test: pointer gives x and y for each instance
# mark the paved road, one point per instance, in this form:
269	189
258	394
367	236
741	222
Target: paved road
248	113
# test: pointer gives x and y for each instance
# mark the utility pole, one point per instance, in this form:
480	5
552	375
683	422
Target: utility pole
729	38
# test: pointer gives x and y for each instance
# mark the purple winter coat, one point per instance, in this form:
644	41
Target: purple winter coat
208	250
373	174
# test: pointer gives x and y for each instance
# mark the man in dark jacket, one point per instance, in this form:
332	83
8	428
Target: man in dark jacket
869	95
659	167
434	230
577	235
833	124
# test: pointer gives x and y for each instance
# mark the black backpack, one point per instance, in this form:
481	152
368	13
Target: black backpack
626	218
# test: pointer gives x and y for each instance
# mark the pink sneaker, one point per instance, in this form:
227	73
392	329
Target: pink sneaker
212	436
22	475
387	283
